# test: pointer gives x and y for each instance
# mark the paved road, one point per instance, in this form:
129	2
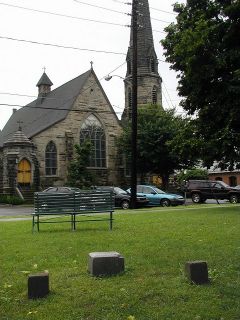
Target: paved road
6	210
15	210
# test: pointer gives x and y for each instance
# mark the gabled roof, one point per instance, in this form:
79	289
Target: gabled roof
45	112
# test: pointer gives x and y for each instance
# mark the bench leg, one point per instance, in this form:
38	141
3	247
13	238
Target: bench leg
73	222
38	223
33	223
111	220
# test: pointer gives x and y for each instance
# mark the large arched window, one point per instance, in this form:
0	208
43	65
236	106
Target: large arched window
92	130
51	159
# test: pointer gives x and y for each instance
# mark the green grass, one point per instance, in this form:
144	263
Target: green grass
155	243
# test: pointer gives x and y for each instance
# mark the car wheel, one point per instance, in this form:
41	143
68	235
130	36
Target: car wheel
233	198
165	203
196	198
125	204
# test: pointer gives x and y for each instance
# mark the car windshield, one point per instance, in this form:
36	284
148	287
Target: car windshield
119	190
158	190
224	184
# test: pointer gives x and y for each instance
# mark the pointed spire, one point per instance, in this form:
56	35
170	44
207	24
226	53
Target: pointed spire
147	58
44	84
149	80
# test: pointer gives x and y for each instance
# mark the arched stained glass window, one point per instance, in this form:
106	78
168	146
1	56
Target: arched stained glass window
92	130
51	159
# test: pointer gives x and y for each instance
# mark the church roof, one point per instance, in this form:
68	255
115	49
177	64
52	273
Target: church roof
18	138
44	80
43	113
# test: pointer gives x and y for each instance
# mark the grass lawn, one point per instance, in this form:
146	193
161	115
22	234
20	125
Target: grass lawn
155	243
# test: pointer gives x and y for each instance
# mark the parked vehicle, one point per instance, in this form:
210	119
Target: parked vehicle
122	198
61	189
159	197
201	190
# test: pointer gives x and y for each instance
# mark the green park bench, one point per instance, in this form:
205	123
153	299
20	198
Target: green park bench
72	205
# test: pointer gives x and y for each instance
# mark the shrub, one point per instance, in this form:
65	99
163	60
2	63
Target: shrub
10	199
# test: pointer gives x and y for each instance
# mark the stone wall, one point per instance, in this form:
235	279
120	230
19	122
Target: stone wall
12	155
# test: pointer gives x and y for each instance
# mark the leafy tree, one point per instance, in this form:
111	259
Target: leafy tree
203	46
165	142
192	174
78	174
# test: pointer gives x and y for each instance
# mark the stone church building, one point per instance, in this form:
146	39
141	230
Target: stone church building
37	142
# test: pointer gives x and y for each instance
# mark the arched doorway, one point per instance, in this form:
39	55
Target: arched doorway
24	172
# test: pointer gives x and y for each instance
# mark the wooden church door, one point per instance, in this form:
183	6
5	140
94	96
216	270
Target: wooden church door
24	172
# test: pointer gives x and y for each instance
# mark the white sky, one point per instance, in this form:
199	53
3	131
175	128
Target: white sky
21	63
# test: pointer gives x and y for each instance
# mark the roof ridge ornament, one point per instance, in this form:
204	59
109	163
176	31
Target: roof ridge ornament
19	125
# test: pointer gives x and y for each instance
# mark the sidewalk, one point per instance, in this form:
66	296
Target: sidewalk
9	210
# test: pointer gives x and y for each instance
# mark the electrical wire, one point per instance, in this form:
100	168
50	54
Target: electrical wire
115	11
61	46
66	99
167	94
62	15
71	17
156	9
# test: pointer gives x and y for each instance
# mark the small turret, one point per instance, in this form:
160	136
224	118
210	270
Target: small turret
44	85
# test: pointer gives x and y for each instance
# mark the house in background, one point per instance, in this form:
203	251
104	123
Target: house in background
232	178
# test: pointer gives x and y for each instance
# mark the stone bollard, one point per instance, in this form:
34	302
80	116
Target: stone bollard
197	272
105	263
38	285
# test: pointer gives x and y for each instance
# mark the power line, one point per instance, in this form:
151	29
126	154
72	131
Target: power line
168	12
61	46
66	99
104	8
52	108
167	94
116	11
62	15
71	17
156	9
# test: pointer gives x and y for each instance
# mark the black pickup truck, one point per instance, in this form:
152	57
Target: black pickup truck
201	190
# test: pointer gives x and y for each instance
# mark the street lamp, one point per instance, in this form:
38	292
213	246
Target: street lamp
108	77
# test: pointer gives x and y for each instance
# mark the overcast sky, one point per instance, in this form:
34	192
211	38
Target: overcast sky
22	63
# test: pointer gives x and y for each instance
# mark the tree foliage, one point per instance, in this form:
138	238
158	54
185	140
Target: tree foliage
203	46
192	174
165	142
78	174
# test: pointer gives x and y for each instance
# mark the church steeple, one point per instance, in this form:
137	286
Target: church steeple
44	85
149	80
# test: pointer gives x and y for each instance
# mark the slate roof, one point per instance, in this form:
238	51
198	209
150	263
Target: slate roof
45	112
18	138
44	80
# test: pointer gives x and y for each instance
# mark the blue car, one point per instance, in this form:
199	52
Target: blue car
158	197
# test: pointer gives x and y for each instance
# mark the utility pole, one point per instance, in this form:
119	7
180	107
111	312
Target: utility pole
134	104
